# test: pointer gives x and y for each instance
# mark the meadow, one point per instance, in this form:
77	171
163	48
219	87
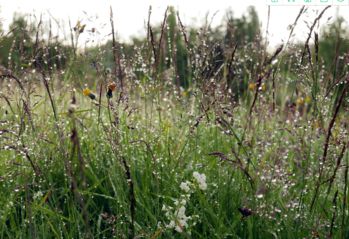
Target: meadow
188	133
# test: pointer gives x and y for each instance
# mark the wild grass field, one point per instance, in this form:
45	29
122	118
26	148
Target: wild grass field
187	133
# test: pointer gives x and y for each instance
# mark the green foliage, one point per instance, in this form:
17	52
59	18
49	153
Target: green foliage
334	44
208	142
242	30
17	48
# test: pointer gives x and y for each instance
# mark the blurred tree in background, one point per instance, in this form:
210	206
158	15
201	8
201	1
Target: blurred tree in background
17	46
241	30
21	49
334	47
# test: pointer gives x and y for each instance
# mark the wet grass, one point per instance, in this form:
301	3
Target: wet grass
150	159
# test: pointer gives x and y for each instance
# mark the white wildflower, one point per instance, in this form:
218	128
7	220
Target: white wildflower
185	186
179	229
38	195
181	219
172	224
201	180
164	208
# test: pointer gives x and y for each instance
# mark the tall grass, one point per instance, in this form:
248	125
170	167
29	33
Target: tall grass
153	159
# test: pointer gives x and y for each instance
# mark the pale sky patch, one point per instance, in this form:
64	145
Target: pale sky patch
130	15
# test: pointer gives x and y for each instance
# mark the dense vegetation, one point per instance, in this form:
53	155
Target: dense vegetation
187	133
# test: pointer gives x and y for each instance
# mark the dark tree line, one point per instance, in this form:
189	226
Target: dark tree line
230	51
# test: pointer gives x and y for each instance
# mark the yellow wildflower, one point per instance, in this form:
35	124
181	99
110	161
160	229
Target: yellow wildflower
300	101
307	99
264	87
252	86
88	92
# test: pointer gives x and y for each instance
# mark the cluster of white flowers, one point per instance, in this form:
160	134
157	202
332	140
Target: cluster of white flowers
38	195
185	186
176	214
201	180
179	221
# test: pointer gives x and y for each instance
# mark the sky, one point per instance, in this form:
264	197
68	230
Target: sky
130	15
